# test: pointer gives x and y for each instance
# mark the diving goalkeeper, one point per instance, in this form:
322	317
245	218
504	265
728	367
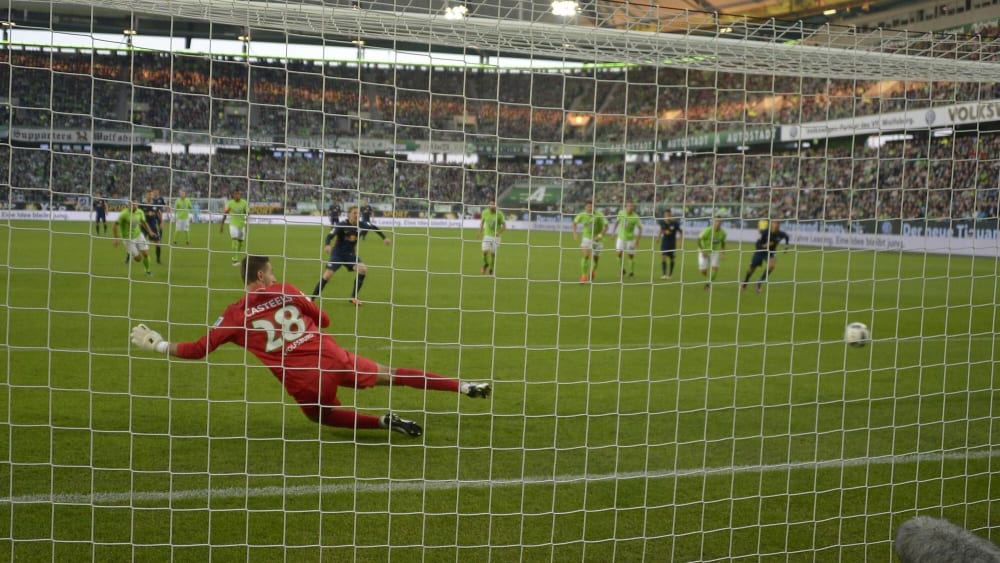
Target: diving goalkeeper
280	325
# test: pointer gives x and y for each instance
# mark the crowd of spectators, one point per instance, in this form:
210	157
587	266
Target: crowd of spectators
936	179
229	103
274	100
929	178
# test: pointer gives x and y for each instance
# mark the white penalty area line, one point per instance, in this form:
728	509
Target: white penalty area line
382	486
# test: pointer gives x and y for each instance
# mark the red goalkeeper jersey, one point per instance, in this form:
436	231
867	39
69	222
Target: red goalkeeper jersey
279	325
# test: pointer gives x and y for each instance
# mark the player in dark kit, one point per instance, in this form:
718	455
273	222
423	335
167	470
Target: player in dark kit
153	208
670	229
766	248
100	215
281	327
366	217
335	211
344	252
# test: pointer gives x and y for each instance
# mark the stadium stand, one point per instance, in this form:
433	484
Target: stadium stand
233	102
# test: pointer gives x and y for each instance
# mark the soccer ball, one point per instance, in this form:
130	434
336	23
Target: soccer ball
857	334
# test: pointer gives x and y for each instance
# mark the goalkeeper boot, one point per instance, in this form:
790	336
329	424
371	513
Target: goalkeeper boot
401	425
479	390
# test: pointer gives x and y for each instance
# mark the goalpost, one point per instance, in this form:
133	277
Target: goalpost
671	414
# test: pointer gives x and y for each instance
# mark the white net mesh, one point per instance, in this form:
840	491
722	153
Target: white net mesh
703	39
669	406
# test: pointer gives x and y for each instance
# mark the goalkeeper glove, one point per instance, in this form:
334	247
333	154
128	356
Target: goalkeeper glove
148	339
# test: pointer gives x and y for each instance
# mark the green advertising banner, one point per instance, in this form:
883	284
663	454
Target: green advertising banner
521	195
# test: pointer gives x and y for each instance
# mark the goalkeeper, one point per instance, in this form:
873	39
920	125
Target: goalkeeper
280	325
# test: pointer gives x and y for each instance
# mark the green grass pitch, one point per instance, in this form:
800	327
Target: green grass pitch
645	420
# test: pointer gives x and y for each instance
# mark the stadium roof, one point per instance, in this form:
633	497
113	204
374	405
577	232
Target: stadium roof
783	10
105	17
602	31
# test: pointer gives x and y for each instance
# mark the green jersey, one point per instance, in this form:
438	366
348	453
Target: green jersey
593	223
492	222
237	211
712	239
182	209
130	223
627	224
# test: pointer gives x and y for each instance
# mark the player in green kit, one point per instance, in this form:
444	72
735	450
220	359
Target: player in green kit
132	227
711	242
493	225
594	226
237	209
182	217
629	228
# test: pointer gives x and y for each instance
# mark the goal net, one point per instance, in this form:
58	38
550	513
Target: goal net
664	388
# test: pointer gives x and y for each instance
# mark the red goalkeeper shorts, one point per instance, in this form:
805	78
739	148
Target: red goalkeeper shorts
313	389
